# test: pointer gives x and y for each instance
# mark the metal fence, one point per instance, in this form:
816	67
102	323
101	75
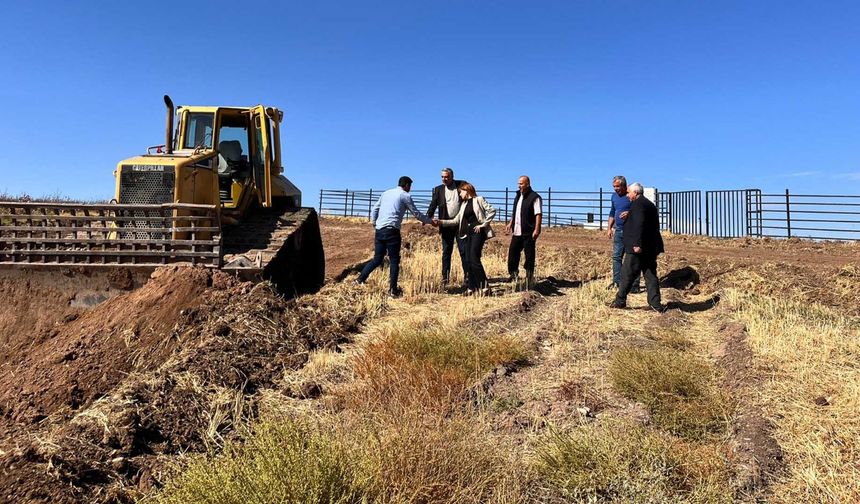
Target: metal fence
723	214
680	211
816	216
560	208
733	213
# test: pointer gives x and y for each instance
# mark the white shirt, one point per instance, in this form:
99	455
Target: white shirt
518	229
452	201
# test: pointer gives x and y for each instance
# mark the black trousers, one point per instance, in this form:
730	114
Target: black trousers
633	265
449	237
518	245
477	277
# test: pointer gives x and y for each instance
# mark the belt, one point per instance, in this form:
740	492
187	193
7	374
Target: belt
389	227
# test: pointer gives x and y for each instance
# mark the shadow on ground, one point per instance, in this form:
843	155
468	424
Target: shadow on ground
698	306
552	286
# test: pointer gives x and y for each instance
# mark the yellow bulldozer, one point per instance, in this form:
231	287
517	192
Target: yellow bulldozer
213	194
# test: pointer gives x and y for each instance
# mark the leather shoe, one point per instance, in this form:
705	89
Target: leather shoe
616	304
395	292
659	308
635	289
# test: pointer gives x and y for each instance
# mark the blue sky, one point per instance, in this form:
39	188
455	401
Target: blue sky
678	95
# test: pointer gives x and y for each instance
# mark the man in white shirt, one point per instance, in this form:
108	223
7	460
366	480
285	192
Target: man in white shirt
525	226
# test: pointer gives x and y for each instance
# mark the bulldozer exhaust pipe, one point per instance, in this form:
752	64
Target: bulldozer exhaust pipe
168	141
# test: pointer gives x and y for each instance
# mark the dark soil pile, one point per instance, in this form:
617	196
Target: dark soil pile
69	365
170	368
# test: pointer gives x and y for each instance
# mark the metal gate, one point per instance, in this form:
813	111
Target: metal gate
733	213
680	211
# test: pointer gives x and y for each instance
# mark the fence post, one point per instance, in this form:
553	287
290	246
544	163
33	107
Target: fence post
787	213
370	204
699	210
352	205
759	213
345	201
707	215
549	206
601	209
321	202
507	214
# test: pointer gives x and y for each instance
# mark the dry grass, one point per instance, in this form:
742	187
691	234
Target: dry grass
810	352
677	388
55	197
420	271
354	460
455	460
428	366
621	462
282	462
585	315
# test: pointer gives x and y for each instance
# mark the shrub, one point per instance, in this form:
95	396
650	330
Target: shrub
282	462
409	458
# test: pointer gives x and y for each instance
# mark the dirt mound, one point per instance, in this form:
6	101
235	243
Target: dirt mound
35	301
204	344
71	364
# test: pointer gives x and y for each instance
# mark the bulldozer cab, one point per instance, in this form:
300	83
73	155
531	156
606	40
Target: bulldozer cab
247	147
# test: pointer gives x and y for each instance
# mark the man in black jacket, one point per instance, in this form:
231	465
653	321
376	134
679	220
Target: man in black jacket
446	198
642	245
525	227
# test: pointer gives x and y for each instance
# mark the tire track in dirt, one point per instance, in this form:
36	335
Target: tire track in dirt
760	457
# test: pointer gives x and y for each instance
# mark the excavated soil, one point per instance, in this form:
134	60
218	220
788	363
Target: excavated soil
69	363
93	406
106	377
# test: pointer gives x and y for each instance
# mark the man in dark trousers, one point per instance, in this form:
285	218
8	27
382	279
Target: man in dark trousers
446	197
615	224
386	216
642	245
525	227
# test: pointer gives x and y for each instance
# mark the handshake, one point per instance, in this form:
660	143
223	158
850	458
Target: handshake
435	223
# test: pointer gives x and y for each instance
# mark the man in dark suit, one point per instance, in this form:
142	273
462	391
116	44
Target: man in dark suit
446	198
642	245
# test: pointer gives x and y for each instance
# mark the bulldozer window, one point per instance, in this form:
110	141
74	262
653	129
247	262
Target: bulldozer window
240	134
261	156
198	130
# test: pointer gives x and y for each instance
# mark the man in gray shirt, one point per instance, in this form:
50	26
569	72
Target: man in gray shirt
446	197
387	215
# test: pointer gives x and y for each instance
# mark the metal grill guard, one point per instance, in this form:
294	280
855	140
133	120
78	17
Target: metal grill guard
69	233
146	185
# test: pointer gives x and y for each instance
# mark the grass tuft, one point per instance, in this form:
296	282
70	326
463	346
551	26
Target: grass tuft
282	462
677	389
430	367
412	459
620	462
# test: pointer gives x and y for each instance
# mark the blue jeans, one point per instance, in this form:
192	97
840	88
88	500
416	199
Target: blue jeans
386	240
618	256
449	237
